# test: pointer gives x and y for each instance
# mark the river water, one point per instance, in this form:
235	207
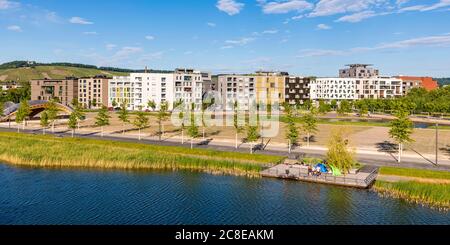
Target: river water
49	196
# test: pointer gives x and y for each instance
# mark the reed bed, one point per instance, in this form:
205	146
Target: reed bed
48	151
425	194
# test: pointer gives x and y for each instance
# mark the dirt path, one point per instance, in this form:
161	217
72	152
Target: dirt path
394	178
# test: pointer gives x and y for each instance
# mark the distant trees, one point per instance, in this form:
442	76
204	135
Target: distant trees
22	114
401	130
151	104
291	130
344	108
193	128
114	103
309	124
324	107
123	115
141	121
102	118
162	116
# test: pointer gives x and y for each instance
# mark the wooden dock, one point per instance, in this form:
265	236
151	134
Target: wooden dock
364	178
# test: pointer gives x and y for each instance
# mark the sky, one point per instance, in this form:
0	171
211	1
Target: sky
302	37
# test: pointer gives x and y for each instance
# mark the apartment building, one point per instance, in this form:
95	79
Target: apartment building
237	88
356	88
93	91
189	87
359	71
410	82
297	90
269	84
64	90
121	90
333	89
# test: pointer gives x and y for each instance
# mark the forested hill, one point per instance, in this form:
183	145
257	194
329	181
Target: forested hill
443	81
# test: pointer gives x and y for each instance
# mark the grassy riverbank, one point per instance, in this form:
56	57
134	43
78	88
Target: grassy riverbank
433	195
49	151
427	187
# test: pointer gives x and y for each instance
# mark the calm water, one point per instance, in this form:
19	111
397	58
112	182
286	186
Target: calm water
36	196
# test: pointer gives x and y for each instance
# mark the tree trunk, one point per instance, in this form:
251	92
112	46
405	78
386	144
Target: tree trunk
23	124
192	143
53	127
123	129
139	134
43	130
73	132
203	132
289	146
182	136
102	131
18	128
236	140
162	133
251	148
400	153
78	125
308	139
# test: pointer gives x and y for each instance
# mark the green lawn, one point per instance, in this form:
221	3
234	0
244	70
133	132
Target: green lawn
419	173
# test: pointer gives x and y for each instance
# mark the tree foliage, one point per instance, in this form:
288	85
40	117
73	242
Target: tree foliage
339	154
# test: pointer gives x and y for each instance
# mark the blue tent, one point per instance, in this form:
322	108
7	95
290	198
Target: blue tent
322	167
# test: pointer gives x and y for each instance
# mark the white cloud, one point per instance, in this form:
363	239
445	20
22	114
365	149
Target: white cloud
226	47
14	28
80	21
332	7
127	51
440	4
323	27
319	52
110	46
241	42
357	17
270	32
90	33
231	7
5	4
188	52
412	8
211	24
286	6
149	37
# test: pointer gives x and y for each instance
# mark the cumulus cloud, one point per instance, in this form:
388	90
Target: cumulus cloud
282	7
80	21
211	24
150	37
14	28
241	42
332	7
231	7
357	17
5	4
323	27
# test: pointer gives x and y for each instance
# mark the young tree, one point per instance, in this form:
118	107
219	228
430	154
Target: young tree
205	106
309	124
237	128
334	105
73	122
252	136
52	111
2	107
151	104
291	130
141	121
114	103
94	103
124	116
44	121
78	111
362	107
22	114
338	153
162	116
102	118
193	128
401	130
344	108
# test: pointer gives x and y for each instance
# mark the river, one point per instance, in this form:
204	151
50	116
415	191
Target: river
50	196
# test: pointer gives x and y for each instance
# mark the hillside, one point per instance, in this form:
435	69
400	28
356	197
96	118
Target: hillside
24	74
443	81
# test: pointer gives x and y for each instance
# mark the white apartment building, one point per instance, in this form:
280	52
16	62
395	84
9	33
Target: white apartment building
140	88
355	88
240	88
333	89
188	87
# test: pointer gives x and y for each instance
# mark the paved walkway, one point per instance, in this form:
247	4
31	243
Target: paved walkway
365	156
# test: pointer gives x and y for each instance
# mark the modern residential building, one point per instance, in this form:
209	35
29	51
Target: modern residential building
7	85
156	87
237	88
359	71
410	82
270	84
333	89
188	87
297	90
356	88
121	90
93	91
64	90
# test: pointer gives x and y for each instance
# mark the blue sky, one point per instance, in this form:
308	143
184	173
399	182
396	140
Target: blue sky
304	37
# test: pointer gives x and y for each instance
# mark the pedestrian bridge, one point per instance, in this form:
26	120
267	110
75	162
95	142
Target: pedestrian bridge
36	106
